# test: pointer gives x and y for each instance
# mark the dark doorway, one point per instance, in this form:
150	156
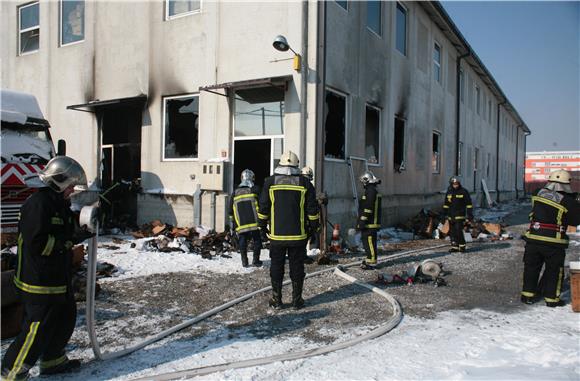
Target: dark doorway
254	155
121	164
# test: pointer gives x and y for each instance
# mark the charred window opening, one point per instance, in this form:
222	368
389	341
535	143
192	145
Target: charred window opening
181	127
436	153
334	126
72	21
399	148
372	134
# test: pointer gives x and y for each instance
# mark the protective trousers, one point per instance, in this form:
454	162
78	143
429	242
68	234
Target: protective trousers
278	259
46	329
535	256
243	239
369	241
456	233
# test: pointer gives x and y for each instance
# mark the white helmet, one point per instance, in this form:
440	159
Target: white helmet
560	176
308	173
289	159
62	172
247	178
369	178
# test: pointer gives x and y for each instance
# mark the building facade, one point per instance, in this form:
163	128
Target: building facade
181	96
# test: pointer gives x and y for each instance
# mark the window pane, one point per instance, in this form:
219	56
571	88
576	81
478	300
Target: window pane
259	112
29	41
334	126
181	127
374	16
343	4
435	158
182	6
401	29
29	16
399	148
73	21
372	135
437	63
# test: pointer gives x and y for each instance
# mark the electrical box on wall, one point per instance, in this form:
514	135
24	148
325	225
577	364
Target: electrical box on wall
211	175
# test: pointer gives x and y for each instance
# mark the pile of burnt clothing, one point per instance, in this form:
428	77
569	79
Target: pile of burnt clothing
424	223
426	271
156	227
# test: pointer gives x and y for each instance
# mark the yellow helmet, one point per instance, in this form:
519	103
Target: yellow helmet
560	176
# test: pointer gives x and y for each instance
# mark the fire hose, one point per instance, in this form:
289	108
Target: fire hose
89	218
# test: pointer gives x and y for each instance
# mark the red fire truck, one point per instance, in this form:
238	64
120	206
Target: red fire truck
26	148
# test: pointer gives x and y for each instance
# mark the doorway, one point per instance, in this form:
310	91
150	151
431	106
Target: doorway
254	155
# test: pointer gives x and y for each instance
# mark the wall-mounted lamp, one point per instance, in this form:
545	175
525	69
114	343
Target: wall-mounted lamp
280	43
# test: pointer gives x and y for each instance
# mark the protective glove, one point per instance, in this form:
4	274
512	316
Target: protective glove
81	234
314	227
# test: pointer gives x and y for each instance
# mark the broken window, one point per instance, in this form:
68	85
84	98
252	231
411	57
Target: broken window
29	28
374	16
401	29
335	126
372	134
399	148
459	159
436	153
181	7
343	4
181	127
437	62
259	112
72	21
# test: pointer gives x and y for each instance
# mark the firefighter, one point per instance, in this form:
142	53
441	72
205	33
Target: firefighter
456	207
313	239
244	217
288	212
369	218
553	209
47	232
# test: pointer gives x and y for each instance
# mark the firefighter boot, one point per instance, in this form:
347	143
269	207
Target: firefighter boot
559	303
256	262
64	367
244	255
297	301
276	299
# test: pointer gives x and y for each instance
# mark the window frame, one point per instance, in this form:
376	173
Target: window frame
380	126
60	26
179	15
379	34
163	126
439	64
406	11
20	30
438	171
346	124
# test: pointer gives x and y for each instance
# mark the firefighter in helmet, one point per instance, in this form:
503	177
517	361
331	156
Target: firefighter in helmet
288	211
313	239
47	232
369	218
553	209
243	213
456	209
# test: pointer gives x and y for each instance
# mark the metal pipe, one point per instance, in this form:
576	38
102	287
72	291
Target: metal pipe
212	209
320	113
304	82
197	205
516	165
459	89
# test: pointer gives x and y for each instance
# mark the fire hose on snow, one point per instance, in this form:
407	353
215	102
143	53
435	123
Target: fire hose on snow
89	218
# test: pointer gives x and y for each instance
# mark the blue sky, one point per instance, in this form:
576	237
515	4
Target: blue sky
533	51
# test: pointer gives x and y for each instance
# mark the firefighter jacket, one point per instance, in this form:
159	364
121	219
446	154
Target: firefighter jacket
244	209
458	204
369	209
551	214
46	236
288	205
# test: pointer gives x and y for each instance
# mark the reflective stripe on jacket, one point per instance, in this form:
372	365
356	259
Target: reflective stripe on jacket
244	209
369	208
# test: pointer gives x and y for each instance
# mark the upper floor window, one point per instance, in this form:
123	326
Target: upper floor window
343	4
181	127
72	21
28	28
372	134
374	16
401	36
437	62
477	99
177	8
399	145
